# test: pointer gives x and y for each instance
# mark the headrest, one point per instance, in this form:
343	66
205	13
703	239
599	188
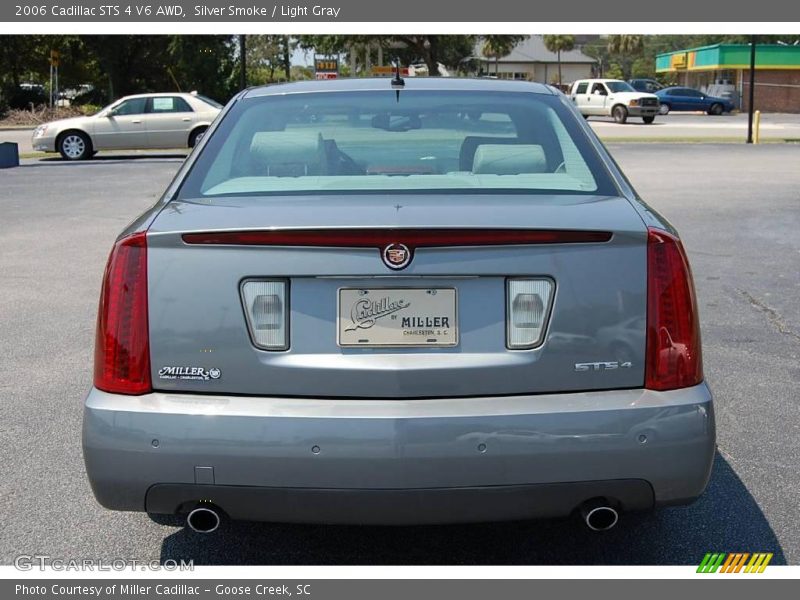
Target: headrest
471	142
285	147
509	159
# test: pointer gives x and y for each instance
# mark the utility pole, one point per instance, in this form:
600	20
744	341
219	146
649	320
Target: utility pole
353	61
243	59
751	108
55	57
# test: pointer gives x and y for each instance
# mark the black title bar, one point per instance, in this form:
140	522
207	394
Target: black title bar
464	11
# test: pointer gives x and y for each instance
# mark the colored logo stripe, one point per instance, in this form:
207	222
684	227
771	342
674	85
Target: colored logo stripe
758	563
711	562
734	562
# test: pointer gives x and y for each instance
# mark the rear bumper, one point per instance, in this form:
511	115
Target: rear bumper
401	507
398	461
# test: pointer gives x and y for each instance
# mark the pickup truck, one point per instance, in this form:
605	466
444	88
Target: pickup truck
613	98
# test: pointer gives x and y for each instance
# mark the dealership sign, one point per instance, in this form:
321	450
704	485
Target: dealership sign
326	67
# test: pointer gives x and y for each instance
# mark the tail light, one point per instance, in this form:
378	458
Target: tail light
122	347
673	356
265	308
528	306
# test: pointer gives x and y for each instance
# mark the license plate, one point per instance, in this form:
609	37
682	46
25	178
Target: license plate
397	317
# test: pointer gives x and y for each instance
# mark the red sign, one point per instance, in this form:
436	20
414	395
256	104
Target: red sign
388	71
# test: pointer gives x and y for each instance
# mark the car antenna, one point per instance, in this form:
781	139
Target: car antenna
398	83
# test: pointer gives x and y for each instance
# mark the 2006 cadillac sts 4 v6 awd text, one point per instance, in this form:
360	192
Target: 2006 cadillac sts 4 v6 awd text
366	302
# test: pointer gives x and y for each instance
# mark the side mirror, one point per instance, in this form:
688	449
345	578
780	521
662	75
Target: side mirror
597	92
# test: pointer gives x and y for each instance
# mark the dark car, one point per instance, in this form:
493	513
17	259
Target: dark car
651	86
687	99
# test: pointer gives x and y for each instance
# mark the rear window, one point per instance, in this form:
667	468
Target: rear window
208	101
376	141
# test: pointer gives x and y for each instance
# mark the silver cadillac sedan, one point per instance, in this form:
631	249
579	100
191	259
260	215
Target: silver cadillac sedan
385	302
141	122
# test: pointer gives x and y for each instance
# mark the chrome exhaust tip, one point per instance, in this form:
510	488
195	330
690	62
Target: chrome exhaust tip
599	516
203	519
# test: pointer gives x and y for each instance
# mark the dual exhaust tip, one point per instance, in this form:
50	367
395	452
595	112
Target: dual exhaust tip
597	514
203	519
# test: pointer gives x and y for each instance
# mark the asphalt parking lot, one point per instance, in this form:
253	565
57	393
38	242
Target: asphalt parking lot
698	126
737	208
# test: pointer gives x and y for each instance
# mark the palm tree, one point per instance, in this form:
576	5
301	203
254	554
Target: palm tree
625	44
558	44
627	48
498	46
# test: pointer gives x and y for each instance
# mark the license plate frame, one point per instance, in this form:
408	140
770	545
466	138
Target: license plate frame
351	331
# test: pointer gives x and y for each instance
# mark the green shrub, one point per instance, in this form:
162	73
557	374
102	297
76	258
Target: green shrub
89	109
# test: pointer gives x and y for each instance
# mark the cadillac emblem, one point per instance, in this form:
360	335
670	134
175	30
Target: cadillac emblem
396	256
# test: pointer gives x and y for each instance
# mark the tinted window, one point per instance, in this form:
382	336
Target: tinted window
348	142
209	101
619	86
646	85
581	89
134	106
169	104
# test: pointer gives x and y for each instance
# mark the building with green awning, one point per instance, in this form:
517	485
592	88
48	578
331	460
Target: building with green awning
724	70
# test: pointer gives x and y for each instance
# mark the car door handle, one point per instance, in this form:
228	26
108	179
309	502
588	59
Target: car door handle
186	119
136	122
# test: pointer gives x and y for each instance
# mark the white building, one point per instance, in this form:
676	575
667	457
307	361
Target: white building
531	61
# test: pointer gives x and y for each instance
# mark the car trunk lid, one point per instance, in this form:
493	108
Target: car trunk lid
594	337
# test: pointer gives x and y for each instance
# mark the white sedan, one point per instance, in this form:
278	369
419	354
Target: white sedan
144	121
